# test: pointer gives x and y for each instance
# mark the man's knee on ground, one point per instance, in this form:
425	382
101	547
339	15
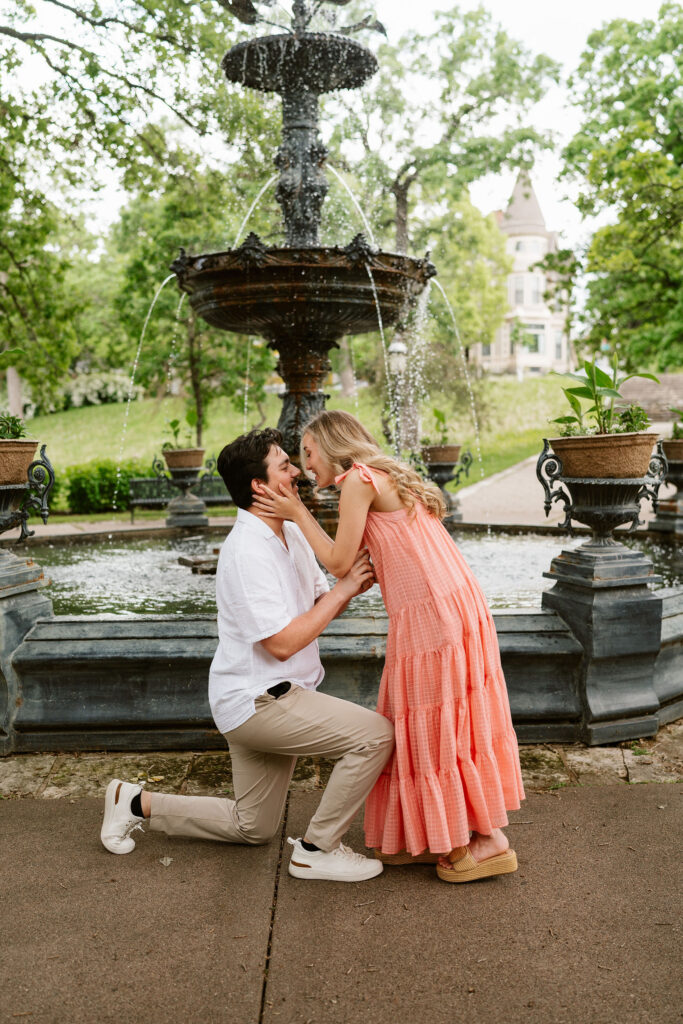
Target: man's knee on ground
257	834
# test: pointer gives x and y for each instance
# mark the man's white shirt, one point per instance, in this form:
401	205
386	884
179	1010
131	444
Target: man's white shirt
261	585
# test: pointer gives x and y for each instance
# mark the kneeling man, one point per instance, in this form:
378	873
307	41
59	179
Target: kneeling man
273	602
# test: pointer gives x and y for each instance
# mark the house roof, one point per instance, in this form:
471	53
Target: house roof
523	214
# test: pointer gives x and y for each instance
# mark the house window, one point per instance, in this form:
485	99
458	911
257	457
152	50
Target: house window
486	350
534	338
519	246
558	345
537	288
519	290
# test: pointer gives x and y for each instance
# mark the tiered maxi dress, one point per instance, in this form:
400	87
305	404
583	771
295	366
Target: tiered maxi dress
455	767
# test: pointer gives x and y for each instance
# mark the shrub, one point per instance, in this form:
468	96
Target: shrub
93	487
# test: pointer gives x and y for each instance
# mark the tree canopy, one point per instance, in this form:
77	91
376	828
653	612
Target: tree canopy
628	156
444	109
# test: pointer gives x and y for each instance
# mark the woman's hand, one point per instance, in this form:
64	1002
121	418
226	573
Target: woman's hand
284	505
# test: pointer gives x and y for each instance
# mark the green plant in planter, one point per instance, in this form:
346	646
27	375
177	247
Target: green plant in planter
12	428
440	429
602	390
175	427
677	433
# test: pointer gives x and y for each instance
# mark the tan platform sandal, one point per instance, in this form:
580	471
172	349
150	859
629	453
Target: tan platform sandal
406	858
465	868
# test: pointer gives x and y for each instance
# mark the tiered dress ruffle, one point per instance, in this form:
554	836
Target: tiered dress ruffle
455	767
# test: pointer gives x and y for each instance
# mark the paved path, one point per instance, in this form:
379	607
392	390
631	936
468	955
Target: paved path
515	497
586	932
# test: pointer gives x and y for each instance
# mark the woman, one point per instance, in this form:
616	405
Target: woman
444	794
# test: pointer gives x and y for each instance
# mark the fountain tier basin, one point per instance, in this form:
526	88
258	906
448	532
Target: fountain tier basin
318	61
295	294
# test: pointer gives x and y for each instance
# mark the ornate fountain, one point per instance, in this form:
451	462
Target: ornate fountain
301	297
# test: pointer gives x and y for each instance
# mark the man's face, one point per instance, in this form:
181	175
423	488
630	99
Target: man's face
279	470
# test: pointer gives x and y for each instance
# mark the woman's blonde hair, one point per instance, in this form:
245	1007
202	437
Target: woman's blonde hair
343	440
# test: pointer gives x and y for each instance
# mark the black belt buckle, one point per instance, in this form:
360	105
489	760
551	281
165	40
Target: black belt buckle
279	690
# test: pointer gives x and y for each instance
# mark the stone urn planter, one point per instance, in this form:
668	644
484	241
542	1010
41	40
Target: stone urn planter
441	453
184	458
603	589
606	475
16	455
445	463
184	466
605	456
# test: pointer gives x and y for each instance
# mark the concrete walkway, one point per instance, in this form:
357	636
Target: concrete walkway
586	932
514	497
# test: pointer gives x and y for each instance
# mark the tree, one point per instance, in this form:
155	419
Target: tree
443	110
107	71
187	211
36	310
628	156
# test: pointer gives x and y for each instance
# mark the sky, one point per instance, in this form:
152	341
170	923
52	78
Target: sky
560	31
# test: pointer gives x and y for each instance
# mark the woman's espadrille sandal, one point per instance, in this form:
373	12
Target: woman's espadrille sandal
464	868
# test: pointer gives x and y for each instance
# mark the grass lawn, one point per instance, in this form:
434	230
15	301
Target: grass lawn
514	421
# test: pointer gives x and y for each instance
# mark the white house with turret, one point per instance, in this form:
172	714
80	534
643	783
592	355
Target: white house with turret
533	338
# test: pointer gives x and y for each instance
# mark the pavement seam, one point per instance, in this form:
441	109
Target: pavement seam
273	908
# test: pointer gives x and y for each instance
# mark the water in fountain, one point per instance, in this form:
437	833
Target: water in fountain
252	208
391	390
461	352
173	354
413	385
246	386
131	387
355	202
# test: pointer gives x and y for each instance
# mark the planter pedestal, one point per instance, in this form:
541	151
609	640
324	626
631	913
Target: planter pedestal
21	579
602	591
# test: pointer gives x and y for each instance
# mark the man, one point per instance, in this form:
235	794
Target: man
273	602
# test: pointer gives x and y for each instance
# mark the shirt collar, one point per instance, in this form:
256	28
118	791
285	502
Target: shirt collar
253	522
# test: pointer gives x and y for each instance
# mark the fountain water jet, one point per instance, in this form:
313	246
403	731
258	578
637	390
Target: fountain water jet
301	297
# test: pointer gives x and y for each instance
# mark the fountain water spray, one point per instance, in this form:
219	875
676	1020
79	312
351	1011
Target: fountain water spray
131	387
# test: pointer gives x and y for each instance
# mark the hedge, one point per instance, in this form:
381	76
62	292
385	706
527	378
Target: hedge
102	486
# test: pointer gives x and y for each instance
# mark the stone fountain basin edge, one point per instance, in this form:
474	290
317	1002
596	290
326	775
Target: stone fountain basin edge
86	683
306	294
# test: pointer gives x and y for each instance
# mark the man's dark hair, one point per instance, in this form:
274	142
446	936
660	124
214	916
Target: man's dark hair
245	458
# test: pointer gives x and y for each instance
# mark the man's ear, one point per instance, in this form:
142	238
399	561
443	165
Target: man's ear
257	486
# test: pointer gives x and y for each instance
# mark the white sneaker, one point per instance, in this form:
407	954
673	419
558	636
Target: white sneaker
119	821
340	865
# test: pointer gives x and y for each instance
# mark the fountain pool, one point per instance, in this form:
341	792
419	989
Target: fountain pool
129	578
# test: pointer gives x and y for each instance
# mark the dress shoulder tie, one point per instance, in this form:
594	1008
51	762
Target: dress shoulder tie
365	473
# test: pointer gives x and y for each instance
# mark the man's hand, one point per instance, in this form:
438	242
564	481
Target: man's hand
359	578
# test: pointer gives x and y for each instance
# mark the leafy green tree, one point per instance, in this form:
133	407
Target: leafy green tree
36	309
628	156
106	72
188	212
444	110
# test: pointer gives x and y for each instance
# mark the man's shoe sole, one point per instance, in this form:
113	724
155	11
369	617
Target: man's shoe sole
304	871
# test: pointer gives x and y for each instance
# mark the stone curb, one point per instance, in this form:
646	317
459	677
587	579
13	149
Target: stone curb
545	767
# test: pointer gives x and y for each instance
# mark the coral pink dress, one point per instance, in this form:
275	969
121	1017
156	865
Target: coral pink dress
455	768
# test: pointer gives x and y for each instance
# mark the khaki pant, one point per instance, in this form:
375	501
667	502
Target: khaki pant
264	750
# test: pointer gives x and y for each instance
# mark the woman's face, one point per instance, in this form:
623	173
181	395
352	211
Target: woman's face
315	463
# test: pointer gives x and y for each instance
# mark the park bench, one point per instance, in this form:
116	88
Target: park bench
156	492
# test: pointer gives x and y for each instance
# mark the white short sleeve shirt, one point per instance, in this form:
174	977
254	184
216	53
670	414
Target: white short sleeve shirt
261	585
